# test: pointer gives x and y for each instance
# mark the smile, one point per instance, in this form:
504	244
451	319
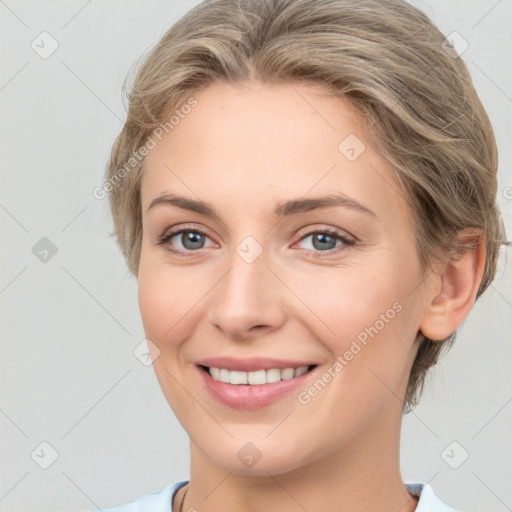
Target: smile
255	389
257	377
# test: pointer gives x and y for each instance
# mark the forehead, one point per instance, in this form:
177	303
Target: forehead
248	143
289	120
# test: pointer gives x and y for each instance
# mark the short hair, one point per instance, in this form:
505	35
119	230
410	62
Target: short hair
415	94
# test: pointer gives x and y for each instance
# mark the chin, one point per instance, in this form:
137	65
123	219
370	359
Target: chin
258	458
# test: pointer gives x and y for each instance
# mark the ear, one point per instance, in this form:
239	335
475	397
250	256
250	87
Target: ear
454	288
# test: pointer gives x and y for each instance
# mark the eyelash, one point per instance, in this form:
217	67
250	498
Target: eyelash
335	234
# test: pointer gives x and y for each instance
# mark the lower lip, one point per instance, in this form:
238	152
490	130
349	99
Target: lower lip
252	397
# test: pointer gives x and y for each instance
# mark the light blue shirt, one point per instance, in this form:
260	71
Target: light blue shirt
162	501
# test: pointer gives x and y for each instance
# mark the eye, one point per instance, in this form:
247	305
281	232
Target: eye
191	239
325	240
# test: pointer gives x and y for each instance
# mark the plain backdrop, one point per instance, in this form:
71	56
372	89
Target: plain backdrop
74	397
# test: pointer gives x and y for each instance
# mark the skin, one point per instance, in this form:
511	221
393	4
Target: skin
243	149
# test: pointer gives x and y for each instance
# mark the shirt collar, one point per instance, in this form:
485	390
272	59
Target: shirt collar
428	500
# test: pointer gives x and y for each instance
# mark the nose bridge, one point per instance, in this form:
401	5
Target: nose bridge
246	296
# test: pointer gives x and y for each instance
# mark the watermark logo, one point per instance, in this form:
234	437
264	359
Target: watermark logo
44	45
351	147
249	454
454	455
44	250
146	352
249	249
454	45
44	455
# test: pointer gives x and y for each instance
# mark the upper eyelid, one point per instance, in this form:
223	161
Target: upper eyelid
173	231
309	231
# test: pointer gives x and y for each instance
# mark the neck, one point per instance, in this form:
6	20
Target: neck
361	475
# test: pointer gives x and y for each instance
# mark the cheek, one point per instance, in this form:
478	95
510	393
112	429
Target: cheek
367	315
164	317
345	302
160	303
171	302
152	303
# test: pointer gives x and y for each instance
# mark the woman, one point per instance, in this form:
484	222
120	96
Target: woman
306	192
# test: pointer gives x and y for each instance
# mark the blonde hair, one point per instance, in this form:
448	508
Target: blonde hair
421	110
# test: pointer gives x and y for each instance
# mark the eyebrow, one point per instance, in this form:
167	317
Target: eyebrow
282	209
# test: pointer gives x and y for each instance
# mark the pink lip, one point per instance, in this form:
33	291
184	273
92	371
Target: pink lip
252	364
251	397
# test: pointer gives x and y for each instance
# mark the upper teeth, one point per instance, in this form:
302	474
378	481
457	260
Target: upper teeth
256	377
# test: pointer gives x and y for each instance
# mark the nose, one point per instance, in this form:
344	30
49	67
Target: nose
248	301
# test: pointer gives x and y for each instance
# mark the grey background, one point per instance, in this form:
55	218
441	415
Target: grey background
69	325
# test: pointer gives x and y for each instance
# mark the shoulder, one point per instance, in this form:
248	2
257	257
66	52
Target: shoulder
157	502
428	500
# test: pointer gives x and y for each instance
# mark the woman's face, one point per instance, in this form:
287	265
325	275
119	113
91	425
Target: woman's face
257	282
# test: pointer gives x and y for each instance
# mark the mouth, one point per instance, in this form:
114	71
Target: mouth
255	377
260	384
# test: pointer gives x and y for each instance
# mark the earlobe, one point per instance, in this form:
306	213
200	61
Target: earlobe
457	283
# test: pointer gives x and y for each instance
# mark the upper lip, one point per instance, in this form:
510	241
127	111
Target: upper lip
251	364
